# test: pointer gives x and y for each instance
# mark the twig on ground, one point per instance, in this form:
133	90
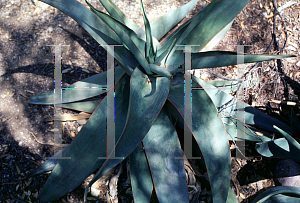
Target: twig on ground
47	143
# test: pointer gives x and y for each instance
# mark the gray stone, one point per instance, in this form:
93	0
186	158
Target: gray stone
287	173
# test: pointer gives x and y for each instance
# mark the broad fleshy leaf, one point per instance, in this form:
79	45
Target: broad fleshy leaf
279	198
211	21
226	105
209	131
291	140
286	147
149	49
231	198
228	60
86	106
160	71
162	25
169	47
285	191
165	159
96	28
213	59
69	173
226	86
147	97
278	148
141	180
247	133
83	89
129	38
48	165
214	41
116	13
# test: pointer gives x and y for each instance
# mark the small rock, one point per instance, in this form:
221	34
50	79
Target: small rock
287	173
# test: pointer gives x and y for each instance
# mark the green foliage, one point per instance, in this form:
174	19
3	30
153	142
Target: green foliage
149	91
286	147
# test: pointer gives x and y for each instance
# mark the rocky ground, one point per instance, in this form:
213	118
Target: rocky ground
27	68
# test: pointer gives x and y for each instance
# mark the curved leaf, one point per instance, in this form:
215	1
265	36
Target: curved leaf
277	148
89	144
209	131
162	25
279	190
149	49
86	106
96	85
291	140
141	180
210	21
226	105
169	47
47	165
228	60
129	38
225	85
286	147
165	158
282	199
249	133
91	24
160	71
217	38
213	59
231	198
146	101
116	13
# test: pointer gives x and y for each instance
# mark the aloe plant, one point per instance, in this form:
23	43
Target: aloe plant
149	102
286	147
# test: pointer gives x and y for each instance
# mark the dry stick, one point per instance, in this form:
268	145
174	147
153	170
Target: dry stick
288	103
48	143
279	64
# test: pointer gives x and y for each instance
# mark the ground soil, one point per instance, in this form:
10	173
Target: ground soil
27	68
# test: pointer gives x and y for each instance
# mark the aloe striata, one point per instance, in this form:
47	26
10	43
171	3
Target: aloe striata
149	89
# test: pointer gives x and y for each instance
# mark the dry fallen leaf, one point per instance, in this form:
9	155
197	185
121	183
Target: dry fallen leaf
4	155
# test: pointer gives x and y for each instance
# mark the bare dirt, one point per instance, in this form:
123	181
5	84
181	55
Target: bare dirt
27	68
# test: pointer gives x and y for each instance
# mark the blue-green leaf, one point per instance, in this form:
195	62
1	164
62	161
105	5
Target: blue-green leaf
86	106
89	144
116	13
278	148
141	180
285	191
160	71
149	49
231	198
226	105
96	85
47	165
209	131
162	25
95	27
286	147
210	21
165	158
213	59
129	38
248	133
146	101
